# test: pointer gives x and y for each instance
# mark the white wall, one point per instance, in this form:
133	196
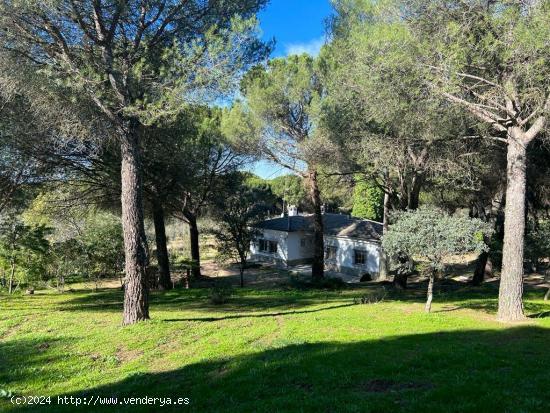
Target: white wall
295	249
289	249
345	255
270	235
289	245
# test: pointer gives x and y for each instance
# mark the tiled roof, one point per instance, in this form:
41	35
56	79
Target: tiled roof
335	224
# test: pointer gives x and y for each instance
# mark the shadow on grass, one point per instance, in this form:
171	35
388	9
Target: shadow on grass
262	315
199	300
502	370
24	359
463	295
288	300
542	314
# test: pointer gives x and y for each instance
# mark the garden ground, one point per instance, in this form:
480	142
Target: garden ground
280	348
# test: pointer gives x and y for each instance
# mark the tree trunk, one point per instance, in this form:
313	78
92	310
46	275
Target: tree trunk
510	303
547	295
483	266
136	291
414	193
12	274
241	270
430	295
386	223
165	282
383	258
195	245
318	265
482	269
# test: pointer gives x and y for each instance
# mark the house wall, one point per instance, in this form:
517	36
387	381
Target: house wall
345	256
289	248
299	252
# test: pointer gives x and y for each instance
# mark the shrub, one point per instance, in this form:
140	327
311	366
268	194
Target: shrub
434	235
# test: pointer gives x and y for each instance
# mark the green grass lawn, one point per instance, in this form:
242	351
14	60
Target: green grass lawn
281	350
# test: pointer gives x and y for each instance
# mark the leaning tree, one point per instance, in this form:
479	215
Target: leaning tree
136	61
492	59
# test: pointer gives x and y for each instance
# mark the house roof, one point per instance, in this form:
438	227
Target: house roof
335	224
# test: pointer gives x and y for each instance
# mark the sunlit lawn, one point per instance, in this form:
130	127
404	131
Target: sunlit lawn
282	350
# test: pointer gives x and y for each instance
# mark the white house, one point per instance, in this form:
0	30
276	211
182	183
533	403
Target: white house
352	245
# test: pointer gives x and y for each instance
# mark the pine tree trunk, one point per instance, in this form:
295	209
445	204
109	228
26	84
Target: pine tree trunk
136	291
510	300
12	274
318	265
483	264
384	264
165	282
430	294
386	223
481	269
195	245
547	295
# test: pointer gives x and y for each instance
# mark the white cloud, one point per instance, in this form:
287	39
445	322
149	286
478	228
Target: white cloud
312	48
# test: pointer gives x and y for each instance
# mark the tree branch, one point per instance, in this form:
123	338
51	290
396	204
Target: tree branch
478	112
539	124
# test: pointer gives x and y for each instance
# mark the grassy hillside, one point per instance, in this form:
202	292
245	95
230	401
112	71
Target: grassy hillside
277	350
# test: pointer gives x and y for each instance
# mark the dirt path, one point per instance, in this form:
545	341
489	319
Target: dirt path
265	276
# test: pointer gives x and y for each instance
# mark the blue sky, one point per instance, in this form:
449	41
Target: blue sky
298	26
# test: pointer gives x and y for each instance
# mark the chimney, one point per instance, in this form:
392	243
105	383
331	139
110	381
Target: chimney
292	210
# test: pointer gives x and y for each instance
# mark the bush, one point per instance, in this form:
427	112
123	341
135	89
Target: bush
366	277
432	234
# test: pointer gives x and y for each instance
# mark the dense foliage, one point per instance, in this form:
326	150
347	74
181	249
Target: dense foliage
368	200
433	235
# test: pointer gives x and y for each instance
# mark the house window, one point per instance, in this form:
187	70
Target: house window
330	252
272	247
360	257
267	246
